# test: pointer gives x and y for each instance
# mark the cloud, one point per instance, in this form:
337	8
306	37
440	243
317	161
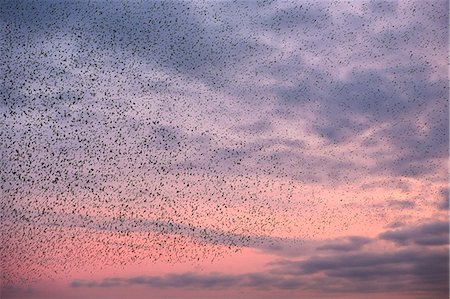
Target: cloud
102	98
280	246
186	280
389	272
401	204
409	117
257	127
189	280
304	15
348	244
427	234
16	291
383	7
361	260
82	284
340	265
170	34
444	202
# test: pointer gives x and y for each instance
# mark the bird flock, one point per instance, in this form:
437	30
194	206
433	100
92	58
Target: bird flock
169	131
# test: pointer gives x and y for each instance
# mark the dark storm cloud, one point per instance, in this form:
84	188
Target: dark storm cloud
427	234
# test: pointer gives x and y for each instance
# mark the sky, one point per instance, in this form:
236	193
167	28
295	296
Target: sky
235	149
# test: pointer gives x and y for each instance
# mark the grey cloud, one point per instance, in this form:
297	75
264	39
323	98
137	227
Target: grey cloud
395	224
203	235
348	267
210	281
348	244
348	107
209	44
180	280
188	280
444	201
365	273
397	93
16	291
383	7
303	15
401	204
353	260
82	284
257	127
413	270
388	272
390	183
427	234
368	98
417	151
171	34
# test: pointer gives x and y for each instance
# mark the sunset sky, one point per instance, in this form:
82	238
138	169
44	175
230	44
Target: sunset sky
224	149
